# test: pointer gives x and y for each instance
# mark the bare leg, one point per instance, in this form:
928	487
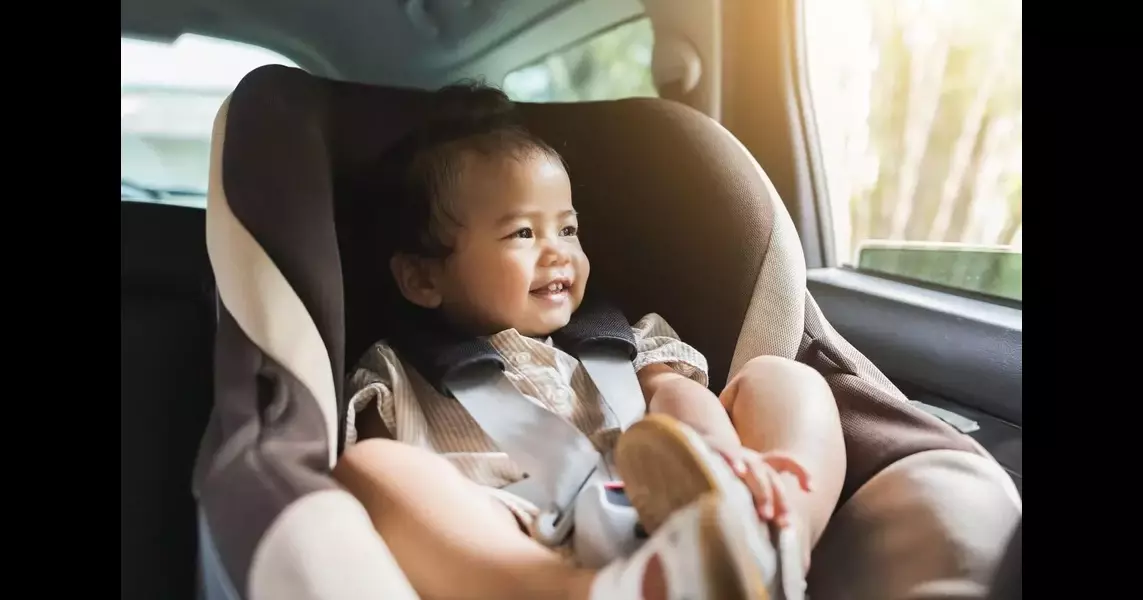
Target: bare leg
452	539
781	405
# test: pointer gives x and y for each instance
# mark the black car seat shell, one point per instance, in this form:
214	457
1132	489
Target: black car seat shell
679	219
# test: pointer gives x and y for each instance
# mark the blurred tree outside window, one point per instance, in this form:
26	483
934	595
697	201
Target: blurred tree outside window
610	65
918	107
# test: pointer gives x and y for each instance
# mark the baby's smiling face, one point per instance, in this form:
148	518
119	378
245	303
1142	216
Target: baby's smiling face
516	262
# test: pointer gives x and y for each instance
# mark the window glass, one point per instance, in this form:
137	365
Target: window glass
918	105
169	96
613	64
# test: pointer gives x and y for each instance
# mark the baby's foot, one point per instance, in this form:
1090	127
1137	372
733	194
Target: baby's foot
666	465
704	551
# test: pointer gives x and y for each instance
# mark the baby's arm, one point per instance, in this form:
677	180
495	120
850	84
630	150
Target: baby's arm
673	376
764	435
692	403
775	414
670	393
779	408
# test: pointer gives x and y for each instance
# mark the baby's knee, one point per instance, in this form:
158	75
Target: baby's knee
777	368
763	376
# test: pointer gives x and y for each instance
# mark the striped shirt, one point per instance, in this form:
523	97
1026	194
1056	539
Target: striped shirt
415	413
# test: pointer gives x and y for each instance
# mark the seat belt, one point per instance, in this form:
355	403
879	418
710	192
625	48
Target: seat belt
556	456
614	377
559	460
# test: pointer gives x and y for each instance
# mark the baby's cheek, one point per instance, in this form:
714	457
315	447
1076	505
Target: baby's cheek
516	275
583	270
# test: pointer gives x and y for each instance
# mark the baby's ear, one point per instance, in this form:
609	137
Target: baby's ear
414	277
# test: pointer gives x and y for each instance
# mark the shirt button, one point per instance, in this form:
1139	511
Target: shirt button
522	358
557	397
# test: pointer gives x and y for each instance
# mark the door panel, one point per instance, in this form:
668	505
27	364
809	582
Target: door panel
946	351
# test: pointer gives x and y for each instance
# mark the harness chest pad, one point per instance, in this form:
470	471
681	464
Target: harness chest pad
438	351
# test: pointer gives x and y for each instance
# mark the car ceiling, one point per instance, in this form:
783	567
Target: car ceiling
420	43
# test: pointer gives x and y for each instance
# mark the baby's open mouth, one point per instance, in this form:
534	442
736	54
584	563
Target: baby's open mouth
555	288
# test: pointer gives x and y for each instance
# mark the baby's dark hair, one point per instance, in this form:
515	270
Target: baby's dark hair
426	165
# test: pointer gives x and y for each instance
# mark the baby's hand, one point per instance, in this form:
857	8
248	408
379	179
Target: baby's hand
761	474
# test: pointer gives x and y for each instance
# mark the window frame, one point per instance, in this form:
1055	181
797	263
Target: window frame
805	118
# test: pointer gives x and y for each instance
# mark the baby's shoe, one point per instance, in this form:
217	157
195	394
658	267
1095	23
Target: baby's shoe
666	465
705	551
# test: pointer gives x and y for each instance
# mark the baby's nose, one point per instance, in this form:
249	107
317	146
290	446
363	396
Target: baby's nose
555	254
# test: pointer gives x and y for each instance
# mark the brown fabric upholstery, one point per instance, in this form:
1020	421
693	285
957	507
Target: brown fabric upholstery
880	426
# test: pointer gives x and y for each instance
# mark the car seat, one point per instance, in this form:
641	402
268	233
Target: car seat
666	195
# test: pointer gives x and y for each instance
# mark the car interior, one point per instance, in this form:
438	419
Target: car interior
903	186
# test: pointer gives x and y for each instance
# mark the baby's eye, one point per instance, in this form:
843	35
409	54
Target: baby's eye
525	233
570	230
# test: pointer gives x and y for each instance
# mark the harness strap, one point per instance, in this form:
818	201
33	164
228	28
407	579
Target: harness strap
558	458
614	377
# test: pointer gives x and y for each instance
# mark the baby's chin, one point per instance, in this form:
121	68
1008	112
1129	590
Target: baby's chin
544	325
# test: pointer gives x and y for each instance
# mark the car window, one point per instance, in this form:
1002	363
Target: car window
613	64
918	108
170	94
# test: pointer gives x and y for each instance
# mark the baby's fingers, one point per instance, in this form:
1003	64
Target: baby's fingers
783	463
778	497
761	488
732	455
